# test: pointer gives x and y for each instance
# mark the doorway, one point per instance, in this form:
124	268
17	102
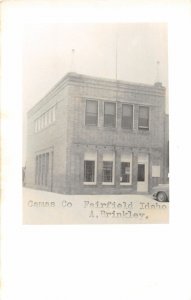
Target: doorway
142	173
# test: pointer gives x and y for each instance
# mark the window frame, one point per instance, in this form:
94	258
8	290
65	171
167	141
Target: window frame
90	156
94	100
112	159
89	182
45	120
143	128
126	158
109	102
42	169
133	108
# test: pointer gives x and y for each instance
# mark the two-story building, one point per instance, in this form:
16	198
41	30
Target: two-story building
92	135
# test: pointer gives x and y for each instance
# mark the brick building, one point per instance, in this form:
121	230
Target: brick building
92	135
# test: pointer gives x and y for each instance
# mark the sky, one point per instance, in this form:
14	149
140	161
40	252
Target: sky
47	54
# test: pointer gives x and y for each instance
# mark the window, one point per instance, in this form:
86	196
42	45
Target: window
39	170
45	119
89	171
125	172
42	169
50	116
141	172
91	112
36	125
46	168
90	167
109	114
126	169
127	116
36	170
39	124
53	114
108	171
144	117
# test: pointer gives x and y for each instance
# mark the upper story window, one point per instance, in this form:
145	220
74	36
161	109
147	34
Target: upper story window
45	119
143	117
91	112
127	116
109	114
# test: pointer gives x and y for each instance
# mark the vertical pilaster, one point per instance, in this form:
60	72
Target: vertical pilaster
134	169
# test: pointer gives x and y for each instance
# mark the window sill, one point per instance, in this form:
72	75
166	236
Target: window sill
143	128
89	183
91	125
108	183
124	183
110	127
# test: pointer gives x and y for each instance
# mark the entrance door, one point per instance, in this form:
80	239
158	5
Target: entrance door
142	175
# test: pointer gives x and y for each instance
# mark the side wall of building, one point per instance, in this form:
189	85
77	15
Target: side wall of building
52	139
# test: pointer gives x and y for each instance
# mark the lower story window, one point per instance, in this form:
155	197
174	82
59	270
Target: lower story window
125	172
107	171
89	171
42	169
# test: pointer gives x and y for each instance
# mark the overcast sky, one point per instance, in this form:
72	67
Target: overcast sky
47	54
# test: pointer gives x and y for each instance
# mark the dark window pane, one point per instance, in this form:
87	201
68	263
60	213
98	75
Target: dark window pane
127	122
91	119
141	172
125	172
107	171
143	122
109	121
89	171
